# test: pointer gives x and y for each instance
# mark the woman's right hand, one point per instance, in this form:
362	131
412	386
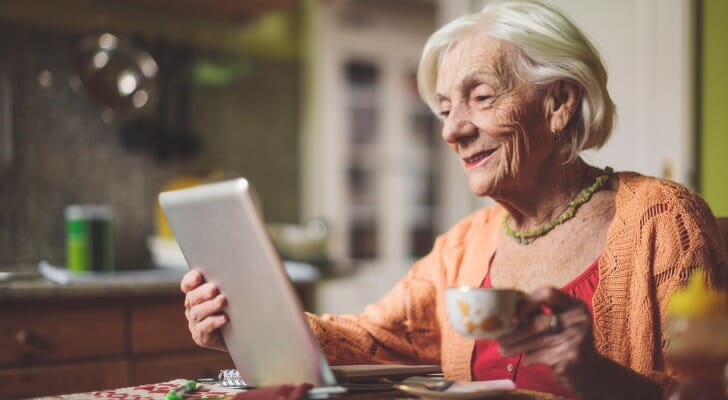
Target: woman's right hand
203	309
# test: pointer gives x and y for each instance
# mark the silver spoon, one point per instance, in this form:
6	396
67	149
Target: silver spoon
435	386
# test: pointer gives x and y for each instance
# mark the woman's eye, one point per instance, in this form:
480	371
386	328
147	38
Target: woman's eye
444	113
481	99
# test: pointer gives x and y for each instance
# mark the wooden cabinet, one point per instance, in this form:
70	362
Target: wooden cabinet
63	378
372	154
191	365
149	324
58	333
53	347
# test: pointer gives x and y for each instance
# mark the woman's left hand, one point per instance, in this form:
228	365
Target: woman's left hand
561	339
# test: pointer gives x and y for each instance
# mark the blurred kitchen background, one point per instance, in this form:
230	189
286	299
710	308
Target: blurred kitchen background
315	102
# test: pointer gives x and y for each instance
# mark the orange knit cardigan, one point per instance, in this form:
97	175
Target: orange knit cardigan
660	232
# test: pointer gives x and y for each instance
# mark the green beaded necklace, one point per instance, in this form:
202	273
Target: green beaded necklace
527	237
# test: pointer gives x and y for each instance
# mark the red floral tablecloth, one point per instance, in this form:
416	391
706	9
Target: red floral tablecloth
152	391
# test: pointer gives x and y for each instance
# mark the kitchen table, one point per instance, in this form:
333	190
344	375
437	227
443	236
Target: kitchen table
157	391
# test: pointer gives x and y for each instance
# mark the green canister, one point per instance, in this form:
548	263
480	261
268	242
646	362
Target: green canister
89	238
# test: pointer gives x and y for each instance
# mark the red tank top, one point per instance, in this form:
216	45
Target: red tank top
488	364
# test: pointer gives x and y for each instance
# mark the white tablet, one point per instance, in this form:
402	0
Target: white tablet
221	233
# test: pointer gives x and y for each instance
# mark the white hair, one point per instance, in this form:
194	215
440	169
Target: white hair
545	47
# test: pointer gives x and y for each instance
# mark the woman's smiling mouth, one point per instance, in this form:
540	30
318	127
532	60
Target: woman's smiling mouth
478	159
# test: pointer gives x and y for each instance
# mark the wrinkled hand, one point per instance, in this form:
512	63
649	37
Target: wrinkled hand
565	344
203	309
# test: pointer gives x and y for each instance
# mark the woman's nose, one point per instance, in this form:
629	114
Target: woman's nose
456	126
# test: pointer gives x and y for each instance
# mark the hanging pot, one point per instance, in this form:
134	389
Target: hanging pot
117	75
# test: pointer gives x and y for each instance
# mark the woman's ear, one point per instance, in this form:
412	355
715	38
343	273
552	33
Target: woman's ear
565	97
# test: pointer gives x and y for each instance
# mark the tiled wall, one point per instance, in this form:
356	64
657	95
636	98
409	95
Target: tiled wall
65	153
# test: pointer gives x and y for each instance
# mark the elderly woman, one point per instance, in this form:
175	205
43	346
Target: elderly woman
521	93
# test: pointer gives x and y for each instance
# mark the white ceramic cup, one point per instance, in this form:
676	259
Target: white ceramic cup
481	313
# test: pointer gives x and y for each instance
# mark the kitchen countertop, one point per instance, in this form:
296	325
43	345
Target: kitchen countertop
39	288
31	285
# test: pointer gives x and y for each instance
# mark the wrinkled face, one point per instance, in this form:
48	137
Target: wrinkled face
495	122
